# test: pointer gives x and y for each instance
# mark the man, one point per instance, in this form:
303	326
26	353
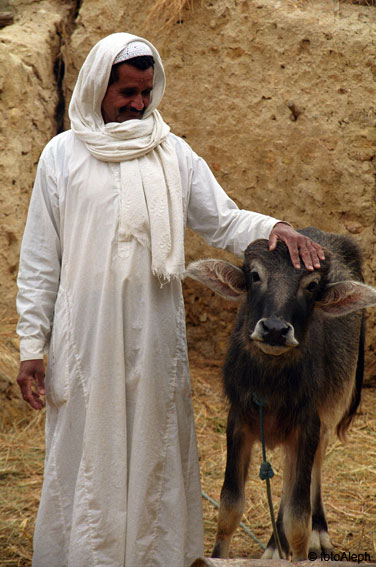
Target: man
99	289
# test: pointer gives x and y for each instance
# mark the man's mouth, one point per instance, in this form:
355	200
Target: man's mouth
131	113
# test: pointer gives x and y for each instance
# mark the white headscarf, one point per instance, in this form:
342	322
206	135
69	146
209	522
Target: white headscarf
151	204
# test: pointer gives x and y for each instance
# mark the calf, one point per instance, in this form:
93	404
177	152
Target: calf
298	344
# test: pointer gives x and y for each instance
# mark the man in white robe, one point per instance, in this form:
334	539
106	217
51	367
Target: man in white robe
100	292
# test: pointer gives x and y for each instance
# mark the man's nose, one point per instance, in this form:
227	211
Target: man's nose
138	102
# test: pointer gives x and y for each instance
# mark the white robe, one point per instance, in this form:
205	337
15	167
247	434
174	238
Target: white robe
121	484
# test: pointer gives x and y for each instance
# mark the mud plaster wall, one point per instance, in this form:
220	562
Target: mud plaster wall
278	97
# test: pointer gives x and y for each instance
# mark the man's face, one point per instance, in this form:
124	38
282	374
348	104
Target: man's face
129	96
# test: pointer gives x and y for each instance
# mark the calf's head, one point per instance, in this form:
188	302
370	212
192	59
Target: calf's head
278	300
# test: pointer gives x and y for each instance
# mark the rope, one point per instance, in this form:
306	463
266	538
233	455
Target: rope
266	473
243	526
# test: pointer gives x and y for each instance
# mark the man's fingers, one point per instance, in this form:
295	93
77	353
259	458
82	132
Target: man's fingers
273	239
295	253
299	246
31	382
306	257
320	251
26	390
31	397
40	383
311	254
316	253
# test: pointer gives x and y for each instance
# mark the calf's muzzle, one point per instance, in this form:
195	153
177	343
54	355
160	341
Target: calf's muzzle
274	332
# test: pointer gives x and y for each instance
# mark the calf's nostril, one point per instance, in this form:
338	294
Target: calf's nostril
274	330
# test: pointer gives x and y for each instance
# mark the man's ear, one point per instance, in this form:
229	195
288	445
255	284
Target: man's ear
344	297
222	277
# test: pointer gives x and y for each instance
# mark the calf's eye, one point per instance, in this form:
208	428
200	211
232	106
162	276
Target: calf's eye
255	277
312	286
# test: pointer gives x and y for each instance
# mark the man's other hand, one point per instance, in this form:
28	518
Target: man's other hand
299	246
31	382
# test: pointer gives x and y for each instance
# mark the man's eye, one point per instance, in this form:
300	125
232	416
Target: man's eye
255	277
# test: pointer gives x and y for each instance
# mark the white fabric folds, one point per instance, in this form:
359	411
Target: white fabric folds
151	206
121	478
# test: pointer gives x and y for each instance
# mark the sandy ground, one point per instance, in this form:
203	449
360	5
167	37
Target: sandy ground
349	476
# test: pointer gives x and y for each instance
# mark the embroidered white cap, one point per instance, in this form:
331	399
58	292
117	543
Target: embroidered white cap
134	49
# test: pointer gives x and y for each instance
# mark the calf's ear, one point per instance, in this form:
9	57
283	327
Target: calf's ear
344	297
222	277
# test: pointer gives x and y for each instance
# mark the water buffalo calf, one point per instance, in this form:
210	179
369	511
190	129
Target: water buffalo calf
298	344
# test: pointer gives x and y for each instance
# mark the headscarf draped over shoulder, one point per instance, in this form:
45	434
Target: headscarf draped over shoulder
151	209
114	141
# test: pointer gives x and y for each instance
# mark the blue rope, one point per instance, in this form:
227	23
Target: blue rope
266	471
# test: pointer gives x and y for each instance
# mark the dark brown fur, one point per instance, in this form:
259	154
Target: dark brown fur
309	390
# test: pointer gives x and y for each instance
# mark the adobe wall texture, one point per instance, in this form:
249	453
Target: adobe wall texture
277	96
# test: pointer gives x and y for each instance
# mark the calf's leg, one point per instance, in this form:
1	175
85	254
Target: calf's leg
271	551
319	540
239	445
297	520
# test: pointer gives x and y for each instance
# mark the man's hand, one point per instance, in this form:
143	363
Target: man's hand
31	382
299	246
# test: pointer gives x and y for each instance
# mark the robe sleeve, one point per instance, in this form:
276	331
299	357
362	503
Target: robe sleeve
40	261
213	215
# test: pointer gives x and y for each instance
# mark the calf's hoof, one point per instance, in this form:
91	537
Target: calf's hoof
320	542
271	552
221	550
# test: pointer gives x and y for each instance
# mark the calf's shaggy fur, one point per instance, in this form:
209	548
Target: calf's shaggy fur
298	344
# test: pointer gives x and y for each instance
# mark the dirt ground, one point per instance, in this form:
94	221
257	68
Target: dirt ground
349	474
349	477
